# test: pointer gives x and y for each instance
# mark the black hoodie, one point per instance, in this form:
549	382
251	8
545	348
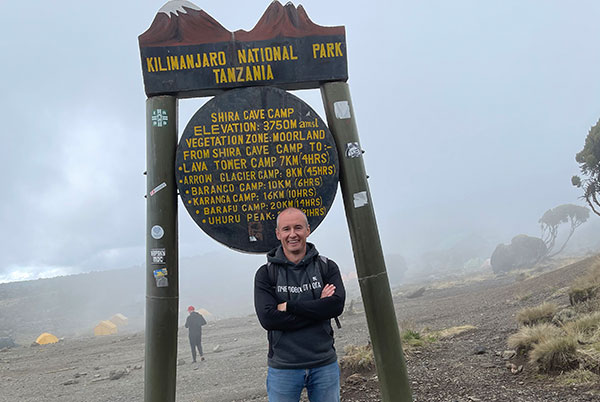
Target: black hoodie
302	336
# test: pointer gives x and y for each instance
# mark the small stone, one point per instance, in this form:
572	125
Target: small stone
479	350
509	354
514	368
137	367
217	349
71	382
180	362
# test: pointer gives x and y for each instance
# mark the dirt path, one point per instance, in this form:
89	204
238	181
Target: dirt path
467	367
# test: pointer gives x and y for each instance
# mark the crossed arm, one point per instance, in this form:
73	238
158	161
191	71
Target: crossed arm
299	313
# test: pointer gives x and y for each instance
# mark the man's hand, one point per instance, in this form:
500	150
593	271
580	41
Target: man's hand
282	306
328	290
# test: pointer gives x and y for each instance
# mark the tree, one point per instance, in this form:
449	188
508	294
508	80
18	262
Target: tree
553	218
589	165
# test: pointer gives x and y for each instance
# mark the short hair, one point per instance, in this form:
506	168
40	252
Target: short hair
291	209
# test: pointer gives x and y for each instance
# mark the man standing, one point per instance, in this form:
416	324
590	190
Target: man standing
194	323
296	294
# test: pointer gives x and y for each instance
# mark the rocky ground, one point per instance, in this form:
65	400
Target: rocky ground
466	367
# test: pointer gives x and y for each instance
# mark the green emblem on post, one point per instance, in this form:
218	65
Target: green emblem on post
159	118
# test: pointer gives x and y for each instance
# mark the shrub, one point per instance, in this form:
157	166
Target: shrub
411	338
563	316
579	377
585	328
449	332
358	358
525	339
590	357
585	287
537	315
555	354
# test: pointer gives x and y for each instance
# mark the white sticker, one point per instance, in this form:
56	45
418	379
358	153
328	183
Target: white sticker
360	199
342	109
158	255
157	232
158	188
353	150
160	118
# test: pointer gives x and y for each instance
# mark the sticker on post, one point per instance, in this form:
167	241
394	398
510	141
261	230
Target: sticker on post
353	150
157	232
158	255
160	118
160	276
342	109
158	188
360	199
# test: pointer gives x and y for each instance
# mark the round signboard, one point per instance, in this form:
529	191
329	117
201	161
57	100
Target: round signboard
248	154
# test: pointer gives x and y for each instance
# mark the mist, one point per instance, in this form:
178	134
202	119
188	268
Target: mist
470	115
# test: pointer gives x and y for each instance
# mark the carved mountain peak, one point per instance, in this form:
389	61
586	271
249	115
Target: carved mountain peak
180	23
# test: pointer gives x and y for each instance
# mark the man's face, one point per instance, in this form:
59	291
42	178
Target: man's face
292	231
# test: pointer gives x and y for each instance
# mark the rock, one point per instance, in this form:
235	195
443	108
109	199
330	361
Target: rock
514	368
71	382
77	375
35	344
116	374
217	349
479	350
355	379
509	354
137	367
180	362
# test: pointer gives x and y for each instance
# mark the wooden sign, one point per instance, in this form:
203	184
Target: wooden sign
248	154
187	53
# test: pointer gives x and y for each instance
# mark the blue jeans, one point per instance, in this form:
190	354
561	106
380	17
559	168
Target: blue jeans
322	384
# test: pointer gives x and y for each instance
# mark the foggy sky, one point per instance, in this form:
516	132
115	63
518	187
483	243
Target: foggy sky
470	113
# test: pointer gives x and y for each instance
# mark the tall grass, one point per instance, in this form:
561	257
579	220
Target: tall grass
537	315
586	287
525	339
555	354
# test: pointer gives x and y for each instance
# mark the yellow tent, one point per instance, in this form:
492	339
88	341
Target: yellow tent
105	328
119	320
46	338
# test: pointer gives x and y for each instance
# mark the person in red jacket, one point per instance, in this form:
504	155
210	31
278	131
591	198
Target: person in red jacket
296	294
194	323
